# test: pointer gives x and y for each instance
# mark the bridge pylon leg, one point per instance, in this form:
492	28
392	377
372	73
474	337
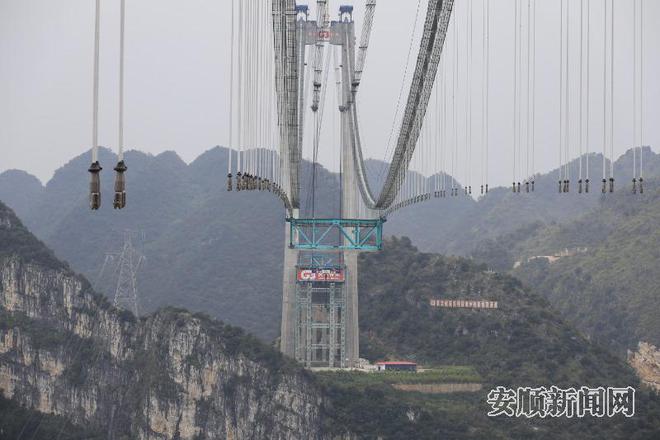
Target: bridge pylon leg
287	342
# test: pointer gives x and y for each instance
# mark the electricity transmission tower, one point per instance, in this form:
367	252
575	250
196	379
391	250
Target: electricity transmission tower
125	265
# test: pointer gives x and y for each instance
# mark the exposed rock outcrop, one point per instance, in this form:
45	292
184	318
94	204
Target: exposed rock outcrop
64	350
646	362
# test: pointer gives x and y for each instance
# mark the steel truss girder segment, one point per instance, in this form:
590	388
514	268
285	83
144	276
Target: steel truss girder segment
336	234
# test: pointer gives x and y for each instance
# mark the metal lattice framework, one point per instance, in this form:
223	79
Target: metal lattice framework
323	234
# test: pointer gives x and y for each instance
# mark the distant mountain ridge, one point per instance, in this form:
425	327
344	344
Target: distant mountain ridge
219	252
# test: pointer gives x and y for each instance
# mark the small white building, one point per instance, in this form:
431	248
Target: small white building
396	366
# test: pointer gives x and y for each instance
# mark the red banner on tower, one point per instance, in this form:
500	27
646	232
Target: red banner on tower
318	274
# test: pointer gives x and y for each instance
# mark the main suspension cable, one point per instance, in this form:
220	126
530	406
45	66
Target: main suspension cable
403	83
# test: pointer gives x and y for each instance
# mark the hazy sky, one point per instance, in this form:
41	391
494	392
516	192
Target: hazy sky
177	78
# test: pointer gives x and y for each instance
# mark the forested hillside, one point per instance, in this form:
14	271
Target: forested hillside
607	283
221	253
524	341
183	375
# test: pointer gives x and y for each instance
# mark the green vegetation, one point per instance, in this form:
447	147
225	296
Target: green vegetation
17	241
375	411
18	422
608	285
522	343
41	334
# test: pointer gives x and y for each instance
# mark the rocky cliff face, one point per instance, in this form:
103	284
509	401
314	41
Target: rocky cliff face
646	362
64	350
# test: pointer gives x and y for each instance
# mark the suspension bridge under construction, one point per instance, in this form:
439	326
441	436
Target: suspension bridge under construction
287	58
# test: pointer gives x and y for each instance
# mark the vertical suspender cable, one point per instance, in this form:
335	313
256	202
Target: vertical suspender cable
634	143
251	70
588	61
468	91
612	96
121	79
519	115
455	112
120	169
239	91
247	86
436	137
483	94
444	128
231	98
533	91
641	95
95	123
515	90
258	92
262	95
528	71
95	168
527	131
604	95
561	95
487	86
581	132
567	111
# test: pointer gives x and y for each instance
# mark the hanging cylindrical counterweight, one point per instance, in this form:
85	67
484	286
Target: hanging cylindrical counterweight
229	183
95	185
120	185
